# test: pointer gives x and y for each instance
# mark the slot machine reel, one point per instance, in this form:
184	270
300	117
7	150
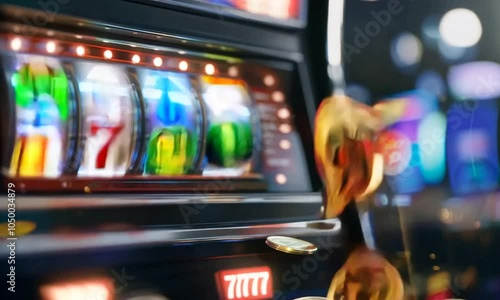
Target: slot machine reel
41	93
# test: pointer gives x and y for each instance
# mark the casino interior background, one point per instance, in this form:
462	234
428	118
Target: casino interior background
180	139
443	55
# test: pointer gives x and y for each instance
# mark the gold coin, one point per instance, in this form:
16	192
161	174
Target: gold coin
291	245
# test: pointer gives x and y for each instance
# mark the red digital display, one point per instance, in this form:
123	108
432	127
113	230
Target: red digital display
248	283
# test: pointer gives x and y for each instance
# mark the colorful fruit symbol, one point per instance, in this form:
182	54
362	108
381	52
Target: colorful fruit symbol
108	113
174	123
230	137
42	110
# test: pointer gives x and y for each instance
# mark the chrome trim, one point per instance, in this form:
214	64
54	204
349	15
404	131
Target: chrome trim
367	230
45	203
51	243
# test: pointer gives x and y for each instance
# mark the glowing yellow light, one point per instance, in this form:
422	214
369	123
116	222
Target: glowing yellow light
233	71
108	54
51	47
210	69
283	113
285	128
16	44
183	65
269	80
136	59
158	62
285	144
80	51
281	179
278	97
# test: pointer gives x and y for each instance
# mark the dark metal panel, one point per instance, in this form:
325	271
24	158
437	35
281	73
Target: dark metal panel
76	214
163	20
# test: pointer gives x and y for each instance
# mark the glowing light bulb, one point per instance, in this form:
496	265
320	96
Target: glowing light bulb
158	62
285	144
269	80
136	59
210	69
283	113
80	51
281	179
183	65
285	128
233	71
108	54
50	47
278	97
16	44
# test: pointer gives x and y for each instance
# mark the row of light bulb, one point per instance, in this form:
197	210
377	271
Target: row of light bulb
16	44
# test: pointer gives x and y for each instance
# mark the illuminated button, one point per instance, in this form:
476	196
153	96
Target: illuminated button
269	80
281	179
285	128
278	97
285	144
183	65
16	44
136	59
108	54
233	71
51	47
283	113
158	62
210	69
80	51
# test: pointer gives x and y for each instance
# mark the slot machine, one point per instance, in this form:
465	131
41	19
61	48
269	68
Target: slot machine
149	148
